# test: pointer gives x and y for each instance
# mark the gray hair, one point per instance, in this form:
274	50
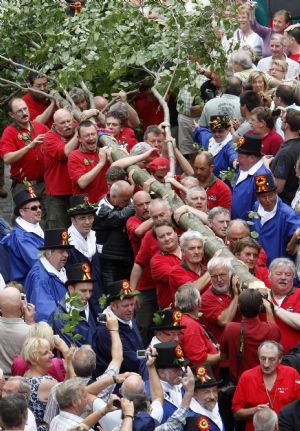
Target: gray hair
242	58
68	392
187	298
237	221
77	93
280	38
216	211
271	344
84	360
140	148
24	386
118	187
281	262
194	189
217	261
159	201
188	236
45	253
265	419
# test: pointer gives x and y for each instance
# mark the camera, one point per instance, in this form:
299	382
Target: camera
101	317
142	354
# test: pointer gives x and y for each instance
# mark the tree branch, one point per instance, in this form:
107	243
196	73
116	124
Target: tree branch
178	56
90	95
32	90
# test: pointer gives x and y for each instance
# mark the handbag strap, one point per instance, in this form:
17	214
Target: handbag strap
241	349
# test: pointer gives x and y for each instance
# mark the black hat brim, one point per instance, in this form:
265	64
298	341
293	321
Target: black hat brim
16	210
80	212
90	280
56	247
249	153
116	297
209	384
170	328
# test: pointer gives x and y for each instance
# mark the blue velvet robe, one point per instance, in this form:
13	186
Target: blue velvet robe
22	248
75	256
44	290
212	425
85	328
276	233
243	194
131	341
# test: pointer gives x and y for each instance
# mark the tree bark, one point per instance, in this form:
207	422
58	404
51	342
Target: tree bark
187	221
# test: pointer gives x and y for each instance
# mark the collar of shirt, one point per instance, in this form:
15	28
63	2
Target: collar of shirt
266	215
215	147
126	322
50	268
172	393
214	415
30	227
244	174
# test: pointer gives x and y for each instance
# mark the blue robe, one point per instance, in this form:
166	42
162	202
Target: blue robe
22	248
44	290
168	407
75	256
276	233
85	328
131	341
243	194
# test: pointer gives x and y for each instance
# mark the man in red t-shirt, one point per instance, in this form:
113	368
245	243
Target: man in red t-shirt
115	123
219	302
58	144
218	193
286	301
40	108
269	384
87	165
196	344
21	148
262	123
162	263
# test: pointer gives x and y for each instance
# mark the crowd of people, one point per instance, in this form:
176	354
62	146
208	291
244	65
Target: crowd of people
111	312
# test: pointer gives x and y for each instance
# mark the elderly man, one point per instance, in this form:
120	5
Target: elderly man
167	326
24	240
191	269
268	384
196	344
277	224
162	263
266	419
219	302
80	282
286	301
45	283
58	144
218	193
218	220
83	239
12	326
19	385
250	164
196	198
87	165
112	239
121	300
204	405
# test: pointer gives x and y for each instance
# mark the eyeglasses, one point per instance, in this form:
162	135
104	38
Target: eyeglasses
20	111
34	208
216	276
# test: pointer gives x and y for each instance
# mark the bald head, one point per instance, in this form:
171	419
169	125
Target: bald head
160	210
237	229
133	386
10	302
63	123
121	193
141	202
100	102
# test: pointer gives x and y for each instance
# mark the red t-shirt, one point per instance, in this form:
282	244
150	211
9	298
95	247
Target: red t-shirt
161	265
148	108
181	274
194	341
127	138
251	390
289	335
147	249
80	163
36	107
212	305
32	163
131	225
218	195
295	57
255	332
271	143
57	180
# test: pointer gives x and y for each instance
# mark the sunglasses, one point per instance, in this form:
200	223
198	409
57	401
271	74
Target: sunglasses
34	208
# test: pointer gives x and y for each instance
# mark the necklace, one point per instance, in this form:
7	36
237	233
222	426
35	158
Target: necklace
271	401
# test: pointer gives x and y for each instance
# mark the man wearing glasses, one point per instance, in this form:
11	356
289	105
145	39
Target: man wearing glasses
22	243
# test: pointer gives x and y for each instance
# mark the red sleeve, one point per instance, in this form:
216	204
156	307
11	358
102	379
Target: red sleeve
194	345
178	277
131	225
160	268
75	166
240	397
148	248
226	199
211	307
54	146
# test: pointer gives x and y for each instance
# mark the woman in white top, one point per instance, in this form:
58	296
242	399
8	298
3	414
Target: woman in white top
244	35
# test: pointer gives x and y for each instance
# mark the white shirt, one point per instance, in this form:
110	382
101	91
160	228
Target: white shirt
30	227
64	421
50	268
266	215
172	393
244	174
214	415
293	67
30	424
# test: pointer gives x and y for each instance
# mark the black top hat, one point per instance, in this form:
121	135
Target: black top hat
194	423
249	144
169	355
120	290
79	273
167	319
219	122
24	196
56	239
204	377
79	204
264	183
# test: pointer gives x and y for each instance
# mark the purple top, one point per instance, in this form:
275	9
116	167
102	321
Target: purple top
265	33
